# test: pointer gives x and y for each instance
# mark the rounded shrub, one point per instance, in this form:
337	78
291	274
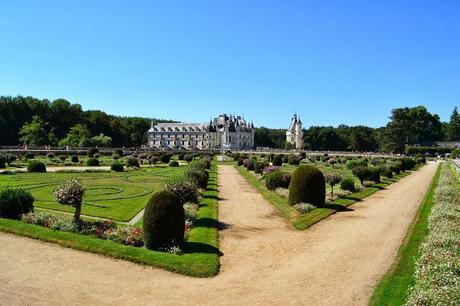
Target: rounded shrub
74	159
293	160
274	180
420	158
15	202
200	177
407	163
184	189
63	157
396	169
260	166
132	162
188	157
165	158
117	167
181	156
386	172
307	186
92	151
374	174
174	163
249	164
36	166
348	184
351	164
10	158
97	155
164	221
92	162
277	160
50	155
362	173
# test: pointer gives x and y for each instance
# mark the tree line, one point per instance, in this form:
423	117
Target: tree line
408	126
42	122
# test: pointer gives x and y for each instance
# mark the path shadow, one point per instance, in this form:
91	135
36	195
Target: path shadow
198	247
223	226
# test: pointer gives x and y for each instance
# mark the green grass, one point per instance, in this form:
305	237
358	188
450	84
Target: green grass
201	251
303	221
111	195
393	287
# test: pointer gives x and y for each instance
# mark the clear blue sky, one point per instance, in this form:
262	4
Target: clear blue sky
330	61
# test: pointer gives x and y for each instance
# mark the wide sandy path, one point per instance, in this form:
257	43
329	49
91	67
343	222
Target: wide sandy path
336	262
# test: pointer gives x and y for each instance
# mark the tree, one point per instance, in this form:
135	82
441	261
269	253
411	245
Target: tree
100	141
453	129
332	178
34	133
410	126
77	137
71	193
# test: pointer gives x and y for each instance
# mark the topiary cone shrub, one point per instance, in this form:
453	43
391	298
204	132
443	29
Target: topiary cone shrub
307	186
164	221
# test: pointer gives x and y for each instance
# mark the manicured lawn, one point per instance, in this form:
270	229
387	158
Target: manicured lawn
112	195
201	251
393	287
303	221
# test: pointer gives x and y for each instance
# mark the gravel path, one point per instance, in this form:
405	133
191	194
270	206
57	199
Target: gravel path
336	262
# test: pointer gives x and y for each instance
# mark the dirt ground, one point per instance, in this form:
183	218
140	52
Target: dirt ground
335	262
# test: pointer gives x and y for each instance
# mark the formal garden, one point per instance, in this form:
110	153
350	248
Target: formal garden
306	189
102	211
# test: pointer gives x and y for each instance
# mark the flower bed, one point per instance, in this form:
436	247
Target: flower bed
102	229
437	277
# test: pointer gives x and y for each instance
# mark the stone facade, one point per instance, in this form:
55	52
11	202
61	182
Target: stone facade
224	132
294	135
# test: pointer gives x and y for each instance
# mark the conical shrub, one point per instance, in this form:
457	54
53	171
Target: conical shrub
164	221
307	186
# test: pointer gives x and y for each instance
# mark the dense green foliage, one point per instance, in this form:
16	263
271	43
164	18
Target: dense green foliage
44	122
348	184
277	179
307	186
117	167
92	162
36	166
14	202
164	221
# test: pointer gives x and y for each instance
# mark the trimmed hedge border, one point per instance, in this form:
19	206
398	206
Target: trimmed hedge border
201	251
302	222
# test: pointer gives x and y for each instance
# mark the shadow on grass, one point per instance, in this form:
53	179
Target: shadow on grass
198	247
212	189
206	222
338	207
214	197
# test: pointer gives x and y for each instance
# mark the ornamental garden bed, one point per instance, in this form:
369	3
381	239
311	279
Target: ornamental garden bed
303	215
199	254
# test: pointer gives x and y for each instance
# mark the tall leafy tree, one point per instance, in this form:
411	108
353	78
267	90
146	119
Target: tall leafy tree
78	136
34	133
453	129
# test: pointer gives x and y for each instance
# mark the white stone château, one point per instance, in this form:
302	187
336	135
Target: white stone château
294	135
222	133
